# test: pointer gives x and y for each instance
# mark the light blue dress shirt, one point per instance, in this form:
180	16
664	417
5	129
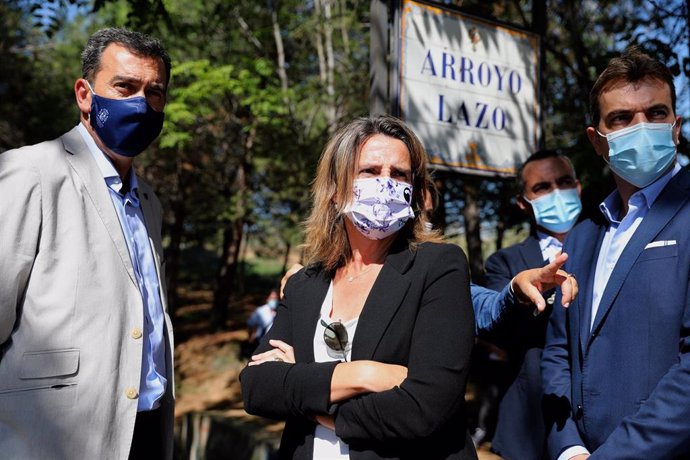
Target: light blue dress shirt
153	381
549	246
620	231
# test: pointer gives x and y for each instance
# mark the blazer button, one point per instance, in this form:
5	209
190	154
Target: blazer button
136	333
132	393
578	412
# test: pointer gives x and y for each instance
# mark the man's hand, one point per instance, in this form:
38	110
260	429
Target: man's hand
528	285
283	281
326	420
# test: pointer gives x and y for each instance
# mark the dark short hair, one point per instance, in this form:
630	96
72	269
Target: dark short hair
136	42
633	66
536	156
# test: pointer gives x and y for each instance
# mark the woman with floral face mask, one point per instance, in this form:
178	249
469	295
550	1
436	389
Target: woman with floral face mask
369	352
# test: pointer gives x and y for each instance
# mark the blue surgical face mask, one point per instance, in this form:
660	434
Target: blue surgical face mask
273	304
126	126
641	153
557	211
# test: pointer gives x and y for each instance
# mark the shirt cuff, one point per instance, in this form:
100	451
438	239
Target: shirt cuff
570	452
512	298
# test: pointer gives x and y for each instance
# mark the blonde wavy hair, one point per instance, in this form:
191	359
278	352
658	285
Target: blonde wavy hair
326	241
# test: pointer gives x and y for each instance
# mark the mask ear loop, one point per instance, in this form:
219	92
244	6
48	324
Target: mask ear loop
93	93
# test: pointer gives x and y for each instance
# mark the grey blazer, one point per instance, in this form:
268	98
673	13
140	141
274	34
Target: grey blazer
71	314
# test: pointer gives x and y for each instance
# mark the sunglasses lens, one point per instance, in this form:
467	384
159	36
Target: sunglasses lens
335	336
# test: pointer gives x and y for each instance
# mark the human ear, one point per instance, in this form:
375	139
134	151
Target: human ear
82	93
601	146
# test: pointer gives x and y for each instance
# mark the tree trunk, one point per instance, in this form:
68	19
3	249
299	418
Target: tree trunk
539	23
504	211
326	54
232	240
288	246
224	279
472	234
331	109
172	258
280	55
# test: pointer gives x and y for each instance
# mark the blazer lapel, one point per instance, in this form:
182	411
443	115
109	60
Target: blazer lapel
662	211
383	301
531	253
311	293
86	168
584	268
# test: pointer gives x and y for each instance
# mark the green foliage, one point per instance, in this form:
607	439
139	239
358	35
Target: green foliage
245	122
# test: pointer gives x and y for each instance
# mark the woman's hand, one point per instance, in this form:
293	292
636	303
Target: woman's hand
326	420
359	377
281	352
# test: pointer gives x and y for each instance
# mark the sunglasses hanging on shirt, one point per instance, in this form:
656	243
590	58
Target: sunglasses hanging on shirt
335	336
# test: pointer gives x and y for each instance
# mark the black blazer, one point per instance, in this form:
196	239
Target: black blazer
418	314
520	431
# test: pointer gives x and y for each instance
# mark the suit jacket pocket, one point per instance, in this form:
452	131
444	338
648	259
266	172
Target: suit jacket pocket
52	363
659	252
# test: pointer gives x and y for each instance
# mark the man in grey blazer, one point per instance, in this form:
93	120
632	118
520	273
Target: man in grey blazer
85	341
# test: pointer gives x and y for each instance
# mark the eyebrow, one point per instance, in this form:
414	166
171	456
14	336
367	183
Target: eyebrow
628	112
558	181
154	84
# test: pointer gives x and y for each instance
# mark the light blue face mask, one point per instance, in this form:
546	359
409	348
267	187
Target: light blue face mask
641	153
557	211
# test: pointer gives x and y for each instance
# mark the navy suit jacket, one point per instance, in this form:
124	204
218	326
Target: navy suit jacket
520	432
623	389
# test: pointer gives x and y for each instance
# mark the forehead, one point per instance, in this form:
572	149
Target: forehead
635	96
546	170
382	149
117	60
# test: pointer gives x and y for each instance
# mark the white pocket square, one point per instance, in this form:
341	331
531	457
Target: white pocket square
656	244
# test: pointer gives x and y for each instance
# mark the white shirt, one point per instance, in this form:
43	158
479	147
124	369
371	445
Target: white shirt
327	445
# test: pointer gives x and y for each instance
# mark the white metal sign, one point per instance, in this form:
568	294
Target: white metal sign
469	89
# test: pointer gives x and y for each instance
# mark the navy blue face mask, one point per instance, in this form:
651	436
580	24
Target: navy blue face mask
126	126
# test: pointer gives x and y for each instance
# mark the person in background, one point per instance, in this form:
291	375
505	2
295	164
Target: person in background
616	366
86	353
259	322
549	193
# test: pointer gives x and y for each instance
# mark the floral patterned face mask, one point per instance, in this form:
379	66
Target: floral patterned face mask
380	206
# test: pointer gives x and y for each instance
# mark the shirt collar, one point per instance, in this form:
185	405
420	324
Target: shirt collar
611	206
547	241
110	174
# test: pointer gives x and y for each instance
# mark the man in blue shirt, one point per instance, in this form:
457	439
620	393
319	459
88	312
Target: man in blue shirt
85	341
523	292
616	366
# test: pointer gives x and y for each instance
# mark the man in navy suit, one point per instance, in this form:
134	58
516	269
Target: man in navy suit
549	192
616	366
